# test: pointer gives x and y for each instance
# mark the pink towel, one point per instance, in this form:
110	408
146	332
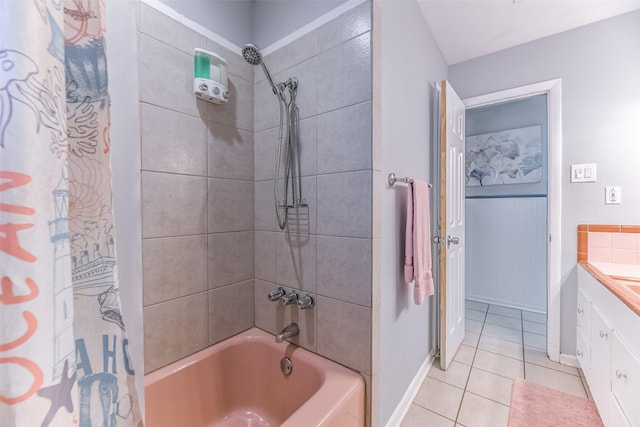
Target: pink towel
417	264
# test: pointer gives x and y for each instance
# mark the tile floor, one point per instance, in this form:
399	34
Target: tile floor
501	344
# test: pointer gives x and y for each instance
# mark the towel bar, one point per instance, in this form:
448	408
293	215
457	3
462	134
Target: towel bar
393	179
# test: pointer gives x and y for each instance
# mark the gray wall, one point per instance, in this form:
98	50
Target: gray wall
326	250
408	70
231	19
197	196
263	22
600	69
275	19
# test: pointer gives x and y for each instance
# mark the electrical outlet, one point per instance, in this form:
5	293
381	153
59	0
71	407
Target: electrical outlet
613	195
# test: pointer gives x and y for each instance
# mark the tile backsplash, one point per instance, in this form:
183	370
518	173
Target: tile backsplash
617	244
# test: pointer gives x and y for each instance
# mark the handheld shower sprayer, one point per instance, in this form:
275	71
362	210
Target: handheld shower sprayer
287	147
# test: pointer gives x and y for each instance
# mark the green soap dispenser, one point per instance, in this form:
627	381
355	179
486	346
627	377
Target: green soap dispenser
210	77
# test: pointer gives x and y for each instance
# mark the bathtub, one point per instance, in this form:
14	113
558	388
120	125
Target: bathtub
238	382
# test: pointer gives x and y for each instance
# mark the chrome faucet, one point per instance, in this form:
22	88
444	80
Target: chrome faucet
289	331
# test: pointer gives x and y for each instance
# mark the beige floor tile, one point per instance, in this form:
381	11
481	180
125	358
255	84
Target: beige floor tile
536	328
503	333
465	354
505	311
476	411
501	365
490	385
439	397
476	305
535	341
554	379
502	347
471	339
472	325
534	317
505	321
540	358
456	375
472	314
418	416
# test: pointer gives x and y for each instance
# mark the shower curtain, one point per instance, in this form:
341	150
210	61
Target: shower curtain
64	357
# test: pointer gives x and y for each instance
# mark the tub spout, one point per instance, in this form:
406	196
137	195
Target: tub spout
288	332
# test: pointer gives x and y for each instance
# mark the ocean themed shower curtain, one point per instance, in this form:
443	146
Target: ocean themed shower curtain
64	357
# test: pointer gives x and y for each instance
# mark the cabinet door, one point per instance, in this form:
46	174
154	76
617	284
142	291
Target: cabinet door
599	380
584	313
625	379
617	417
583	352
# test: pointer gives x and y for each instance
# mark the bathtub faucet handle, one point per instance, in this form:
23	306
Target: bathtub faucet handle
306	302
290	298
275	295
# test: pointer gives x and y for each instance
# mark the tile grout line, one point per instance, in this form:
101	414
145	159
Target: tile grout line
466	384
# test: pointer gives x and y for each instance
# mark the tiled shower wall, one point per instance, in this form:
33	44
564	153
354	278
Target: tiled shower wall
326	251
197	196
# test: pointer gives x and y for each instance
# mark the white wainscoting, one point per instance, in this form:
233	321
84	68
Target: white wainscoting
506	258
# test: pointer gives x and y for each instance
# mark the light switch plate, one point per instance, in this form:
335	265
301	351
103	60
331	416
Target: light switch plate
612	195
585	172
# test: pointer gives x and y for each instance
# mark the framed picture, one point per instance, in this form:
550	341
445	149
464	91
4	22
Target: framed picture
512	156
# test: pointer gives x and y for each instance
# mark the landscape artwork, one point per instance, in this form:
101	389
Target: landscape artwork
511	156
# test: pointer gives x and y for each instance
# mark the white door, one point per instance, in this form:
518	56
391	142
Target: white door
452	205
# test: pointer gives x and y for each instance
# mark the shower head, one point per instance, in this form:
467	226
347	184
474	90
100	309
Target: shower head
251	53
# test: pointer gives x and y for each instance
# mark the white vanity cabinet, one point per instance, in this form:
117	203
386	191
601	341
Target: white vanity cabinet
583	350
608	349
625	379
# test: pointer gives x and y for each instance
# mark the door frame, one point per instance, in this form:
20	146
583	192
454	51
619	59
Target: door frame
553	89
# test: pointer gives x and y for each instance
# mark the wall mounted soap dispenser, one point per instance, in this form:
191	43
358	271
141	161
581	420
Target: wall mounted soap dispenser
210	81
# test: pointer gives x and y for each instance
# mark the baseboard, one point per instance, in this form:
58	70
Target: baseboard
569	360
505	303
406	401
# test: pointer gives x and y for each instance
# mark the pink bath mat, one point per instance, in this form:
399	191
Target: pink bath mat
534	405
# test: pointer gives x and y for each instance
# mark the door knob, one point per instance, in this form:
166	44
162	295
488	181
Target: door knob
453	240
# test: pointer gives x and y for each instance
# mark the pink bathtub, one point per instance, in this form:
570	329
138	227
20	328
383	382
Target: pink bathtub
238	382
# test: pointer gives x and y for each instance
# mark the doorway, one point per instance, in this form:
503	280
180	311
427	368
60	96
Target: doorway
548	202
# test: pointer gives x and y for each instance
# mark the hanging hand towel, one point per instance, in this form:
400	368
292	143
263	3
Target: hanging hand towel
408	241
421	242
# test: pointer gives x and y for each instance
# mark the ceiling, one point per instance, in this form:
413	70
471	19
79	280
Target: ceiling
472	28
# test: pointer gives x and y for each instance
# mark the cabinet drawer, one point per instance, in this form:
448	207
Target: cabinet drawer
625	379
583	353
584	313
617	417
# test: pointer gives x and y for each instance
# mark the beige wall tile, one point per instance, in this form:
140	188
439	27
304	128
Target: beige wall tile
344	333
265	256
173	267
344	269
229	152
173	205
174	329
168	30
230	205
230	258
172	141
230	310
296	261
